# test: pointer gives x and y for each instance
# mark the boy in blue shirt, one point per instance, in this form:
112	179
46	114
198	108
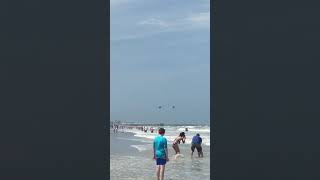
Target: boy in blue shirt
160	153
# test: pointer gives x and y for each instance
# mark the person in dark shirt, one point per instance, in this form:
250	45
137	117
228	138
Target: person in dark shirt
196	143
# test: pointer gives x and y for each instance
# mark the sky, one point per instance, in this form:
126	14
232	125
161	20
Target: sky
160	56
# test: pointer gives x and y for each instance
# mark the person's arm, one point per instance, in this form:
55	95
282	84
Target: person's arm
154	150
167	156
166	151
183	139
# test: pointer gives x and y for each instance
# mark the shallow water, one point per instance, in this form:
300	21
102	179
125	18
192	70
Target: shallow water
139	165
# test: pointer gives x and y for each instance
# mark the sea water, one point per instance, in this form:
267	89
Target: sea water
173	131
139	165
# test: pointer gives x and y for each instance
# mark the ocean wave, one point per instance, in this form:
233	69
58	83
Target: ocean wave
140	147
171	134
139	140
195	130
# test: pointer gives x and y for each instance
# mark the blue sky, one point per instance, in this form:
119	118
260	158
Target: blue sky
160	55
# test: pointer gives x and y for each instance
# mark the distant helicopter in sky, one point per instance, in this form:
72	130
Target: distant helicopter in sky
168	107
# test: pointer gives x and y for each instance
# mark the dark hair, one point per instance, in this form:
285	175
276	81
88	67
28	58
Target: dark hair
182	134
162	131
198	134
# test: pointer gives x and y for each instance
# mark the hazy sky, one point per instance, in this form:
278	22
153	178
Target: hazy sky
160	55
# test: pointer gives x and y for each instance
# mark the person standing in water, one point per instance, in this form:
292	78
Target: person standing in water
115	128
160	153
181	137
196	143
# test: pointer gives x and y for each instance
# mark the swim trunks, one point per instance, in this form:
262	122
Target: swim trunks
198	146
161	161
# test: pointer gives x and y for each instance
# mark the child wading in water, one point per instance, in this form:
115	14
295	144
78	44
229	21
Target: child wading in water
181	137
160	153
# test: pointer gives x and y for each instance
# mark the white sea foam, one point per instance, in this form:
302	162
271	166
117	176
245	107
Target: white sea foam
139	140
173	131
140	147
195	130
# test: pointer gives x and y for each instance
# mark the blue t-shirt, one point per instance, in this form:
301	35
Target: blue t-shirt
196	140
159	144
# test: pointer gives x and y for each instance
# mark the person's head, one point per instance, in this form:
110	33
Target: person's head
182	134
198	134
161	131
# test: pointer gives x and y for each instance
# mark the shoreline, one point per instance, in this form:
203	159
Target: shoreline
122	143
127	162
148	137
155	124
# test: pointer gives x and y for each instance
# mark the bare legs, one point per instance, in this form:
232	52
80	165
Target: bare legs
200	154
176	149
160	172
162	167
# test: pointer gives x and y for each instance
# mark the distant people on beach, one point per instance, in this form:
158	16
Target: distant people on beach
115	128
160	153
196	143
186	129
151	129
181	137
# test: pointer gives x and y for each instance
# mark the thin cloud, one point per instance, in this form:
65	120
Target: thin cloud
154	22
117	3
142	26
200	19
139	35
158	25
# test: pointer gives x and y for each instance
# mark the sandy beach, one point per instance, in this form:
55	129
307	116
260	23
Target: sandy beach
131	159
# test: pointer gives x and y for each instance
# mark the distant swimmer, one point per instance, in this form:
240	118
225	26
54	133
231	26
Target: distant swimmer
151	129
181	137
186	129
196	143
160	153
115	130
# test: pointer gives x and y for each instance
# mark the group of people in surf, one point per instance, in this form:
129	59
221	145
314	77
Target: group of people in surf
117	127
160	149
195	144
145	129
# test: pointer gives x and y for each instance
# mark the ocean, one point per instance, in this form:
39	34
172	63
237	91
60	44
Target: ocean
131	154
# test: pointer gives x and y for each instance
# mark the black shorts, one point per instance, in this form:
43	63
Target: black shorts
198	146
